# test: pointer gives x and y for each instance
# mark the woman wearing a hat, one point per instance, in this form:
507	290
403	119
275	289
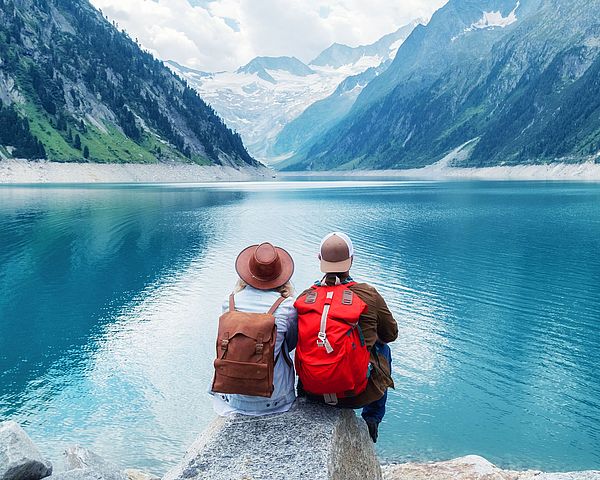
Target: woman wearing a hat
264	276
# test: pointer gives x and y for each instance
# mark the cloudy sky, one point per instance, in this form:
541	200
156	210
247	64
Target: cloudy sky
216	35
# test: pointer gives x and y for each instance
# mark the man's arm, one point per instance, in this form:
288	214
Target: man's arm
291	337
387	327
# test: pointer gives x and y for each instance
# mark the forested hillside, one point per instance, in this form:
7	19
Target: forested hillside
73	87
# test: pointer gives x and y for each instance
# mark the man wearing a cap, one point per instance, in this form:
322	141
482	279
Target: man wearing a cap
377	324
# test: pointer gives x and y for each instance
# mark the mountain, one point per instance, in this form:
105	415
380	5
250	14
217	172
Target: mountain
260	65
321	115
72	87
338	54
299	134
259	99
187	70
501	81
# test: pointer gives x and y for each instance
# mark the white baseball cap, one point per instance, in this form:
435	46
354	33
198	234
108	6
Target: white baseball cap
336	252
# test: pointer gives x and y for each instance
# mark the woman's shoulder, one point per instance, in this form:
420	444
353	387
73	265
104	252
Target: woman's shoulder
288	303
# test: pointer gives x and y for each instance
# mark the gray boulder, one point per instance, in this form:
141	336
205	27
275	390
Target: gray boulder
311	441
19	457
473	467
79	474
134	474
83	464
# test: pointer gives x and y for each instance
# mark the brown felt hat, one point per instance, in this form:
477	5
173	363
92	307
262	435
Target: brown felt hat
264	266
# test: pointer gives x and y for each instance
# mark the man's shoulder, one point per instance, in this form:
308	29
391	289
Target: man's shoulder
360	288
368	293
304	292
363	287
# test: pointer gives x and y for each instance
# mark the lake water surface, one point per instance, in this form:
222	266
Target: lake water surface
109	299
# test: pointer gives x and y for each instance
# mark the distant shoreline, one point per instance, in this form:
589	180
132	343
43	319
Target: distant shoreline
588	171
25	171
32	172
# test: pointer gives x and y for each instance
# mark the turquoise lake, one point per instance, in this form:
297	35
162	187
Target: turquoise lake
109	299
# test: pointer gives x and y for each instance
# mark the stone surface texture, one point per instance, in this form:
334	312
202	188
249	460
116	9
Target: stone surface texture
309	442
473	467
133	474
83	464
19	457
79	474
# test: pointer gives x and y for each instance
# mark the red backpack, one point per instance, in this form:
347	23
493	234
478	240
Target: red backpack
331	356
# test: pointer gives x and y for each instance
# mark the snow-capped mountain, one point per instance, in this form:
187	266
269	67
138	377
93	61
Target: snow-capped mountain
261	65
321	115
260	98
338	54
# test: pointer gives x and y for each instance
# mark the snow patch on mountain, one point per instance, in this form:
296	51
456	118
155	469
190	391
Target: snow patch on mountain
491	20
495	19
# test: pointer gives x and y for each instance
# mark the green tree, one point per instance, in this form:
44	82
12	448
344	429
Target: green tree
77	142
86	152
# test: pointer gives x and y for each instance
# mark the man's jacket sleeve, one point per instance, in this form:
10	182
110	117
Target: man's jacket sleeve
387	328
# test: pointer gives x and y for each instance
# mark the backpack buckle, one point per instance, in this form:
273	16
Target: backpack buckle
225	341
323	342
259	344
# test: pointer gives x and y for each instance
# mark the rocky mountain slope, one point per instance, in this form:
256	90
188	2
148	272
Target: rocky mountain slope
500	81
262	97
322	115
72	88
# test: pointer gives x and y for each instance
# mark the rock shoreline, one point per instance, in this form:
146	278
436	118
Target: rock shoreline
588	171
223	451
474	467
25	171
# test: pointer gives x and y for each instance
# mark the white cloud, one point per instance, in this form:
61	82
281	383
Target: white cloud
217	35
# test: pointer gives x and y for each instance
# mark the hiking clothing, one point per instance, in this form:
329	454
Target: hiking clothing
251	299
375	411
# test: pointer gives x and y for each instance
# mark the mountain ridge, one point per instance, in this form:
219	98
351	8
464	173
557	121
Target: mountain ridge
260	65
339	54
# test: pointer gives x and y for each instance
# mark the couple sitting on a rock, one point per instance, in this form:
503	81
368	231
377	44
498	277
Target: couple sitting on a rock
338	328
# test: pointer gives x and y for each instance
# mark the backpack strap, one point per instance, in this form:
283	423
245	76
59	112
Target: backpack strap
231	303
275	306
322	336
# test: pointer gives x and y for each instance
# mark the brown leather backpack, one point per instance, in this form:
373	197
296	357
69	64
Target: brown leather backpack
245	352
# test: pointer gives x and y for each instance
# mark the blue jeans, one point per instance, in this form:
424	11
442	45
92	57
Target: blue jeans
376	410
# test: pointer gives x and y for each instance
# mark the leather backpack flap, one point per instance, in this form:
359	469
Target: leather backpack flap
250	325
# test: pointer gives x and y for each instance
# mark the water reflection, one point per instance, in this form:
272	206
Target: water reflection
70	258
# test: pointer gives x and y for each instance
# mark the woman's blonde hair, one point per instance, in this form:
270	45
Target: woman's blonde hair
286	290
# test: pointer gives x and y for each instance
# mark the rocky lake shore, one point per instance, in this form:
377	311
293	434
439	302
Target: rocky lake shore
211	456
588	171
33	172
25	171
